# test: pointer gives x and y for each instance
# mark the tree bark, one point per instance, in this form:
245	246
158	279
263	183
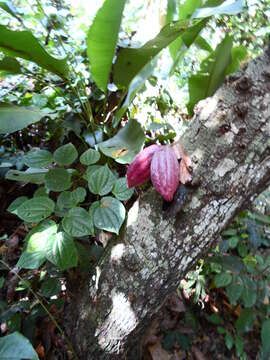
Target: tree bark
229	144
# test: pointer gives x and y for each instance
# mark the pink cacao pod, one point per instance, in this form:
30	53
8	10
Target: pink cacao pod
139	170
165	172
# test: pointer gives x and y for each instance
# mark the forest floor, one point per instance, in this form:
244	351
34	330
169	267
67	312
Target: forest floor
181	330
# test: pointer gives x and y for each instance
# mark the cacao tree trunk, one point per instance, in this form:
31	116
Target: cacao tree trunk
229	144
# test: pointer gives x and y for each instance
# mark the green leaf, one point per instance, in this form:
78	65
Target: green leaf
223	279
235	289
9	65
110	214
101	181
31	260
245	321
15	346
69	199
14	118
249	294
102	40
66	154
77	222
211	75
239	346
201	43
135	85
228	341
89	157
61	251
126	144
92	209
41	191
38	158
13	43
121	191
34	176
239	54
265	336
36	241
36	209
131	60
13	207
228	7
90	170
58	179
50	287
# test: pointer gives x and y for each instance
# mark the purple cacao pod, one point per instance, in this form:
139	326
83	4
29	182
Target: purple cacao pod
165	172
139	170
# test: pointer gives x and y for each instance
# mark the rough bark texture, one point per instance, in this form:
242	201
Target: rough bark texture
229	143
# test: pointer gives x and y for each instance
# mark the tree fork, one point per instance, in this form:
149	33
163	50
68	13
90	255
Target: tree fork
229	144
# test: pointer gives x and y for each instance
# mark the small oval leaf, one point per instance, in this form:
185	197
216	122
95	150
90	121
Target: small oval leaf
36	209
58	179
66	154
77	222
101	181
37	158
89	157
110	214
121	191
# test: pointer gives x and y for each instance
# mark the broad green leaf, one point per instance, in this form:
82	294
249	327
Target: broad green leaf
14	118
185	11
235	289
15	346
265	336
77	222
135	85
126	144
58	179
36	241
61	251
223	279
69	199
249	294
36	209
131	60
229	7
13	207
101	181
65	154
89	157
50	287
24	45
102	40
211	75
9	65
245	321
34	176
37	158
110	214
265	219
121	191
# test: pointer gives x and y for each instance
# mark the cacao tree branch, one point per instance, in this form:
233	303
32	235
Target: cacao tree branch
229	144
